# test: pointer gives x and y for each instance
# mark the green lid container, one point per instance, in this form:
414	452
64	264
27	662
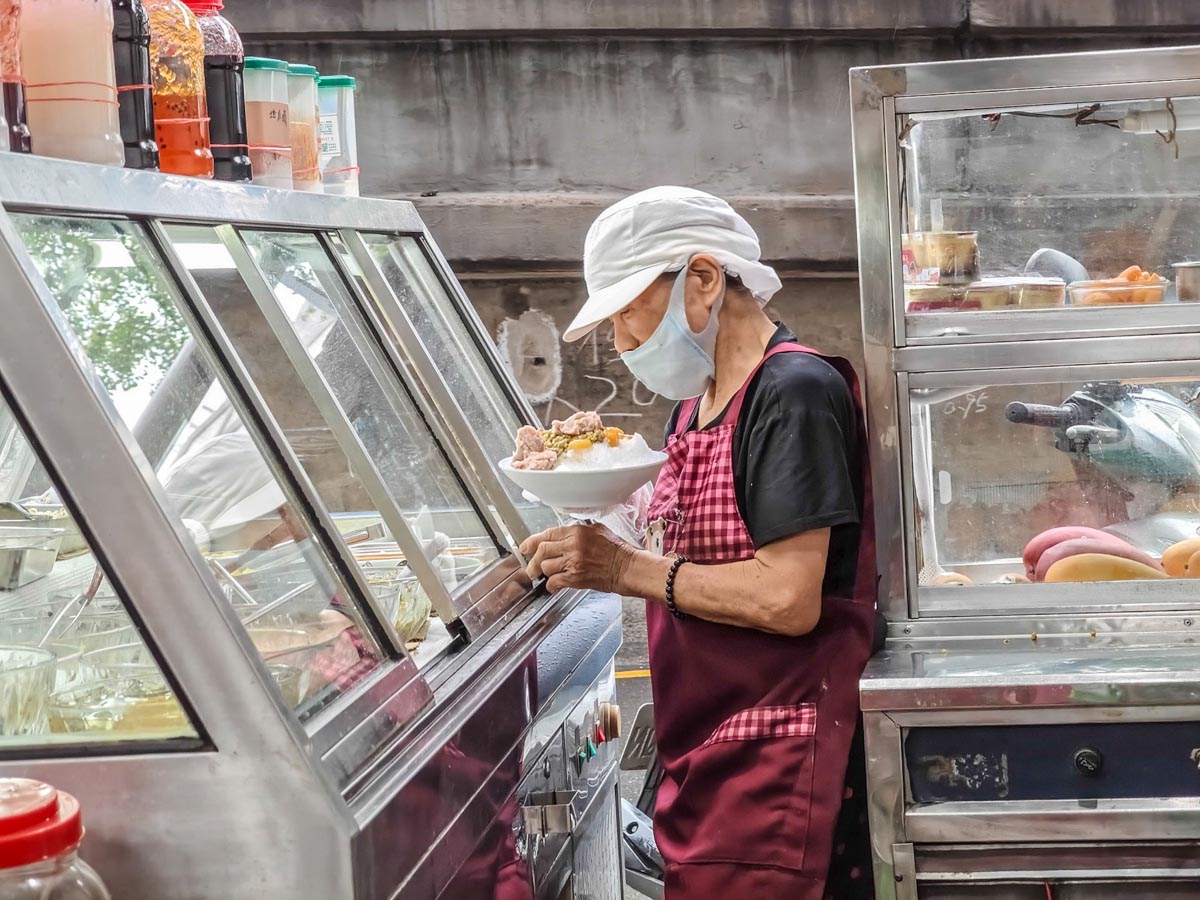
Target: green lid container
264	62
336	81
302	69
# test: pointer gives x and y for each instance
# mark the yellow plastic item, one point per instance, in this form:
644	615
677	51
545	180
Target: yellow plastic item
1099	567
952	578
1193	567
580	444
1175	558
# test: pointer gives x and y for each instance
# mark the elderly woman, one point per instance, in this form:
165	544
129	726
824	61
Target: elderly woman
758	565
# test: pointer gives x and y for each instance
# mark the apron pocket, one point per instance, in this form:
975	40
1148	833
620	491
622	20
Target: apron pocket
746	792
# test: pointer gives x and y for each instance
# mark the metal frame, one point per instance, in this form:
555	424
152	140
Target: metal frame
1120	653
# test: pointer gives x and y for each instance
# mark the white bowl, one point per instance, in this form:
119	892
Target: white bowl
575	491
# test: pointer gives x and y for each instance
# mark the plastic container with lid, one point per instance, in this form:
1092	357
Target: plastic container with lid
302	125
70	80
177	73
131	52
40	833
267	109
940	257
1026	292
224	86
14	132
339	140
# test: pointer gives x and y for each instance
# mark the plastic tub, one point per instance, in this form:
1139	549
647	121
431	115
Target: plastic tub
302	125
1023	292
26	682
339	140
267	108
1113	293
70	80
940	257
936	298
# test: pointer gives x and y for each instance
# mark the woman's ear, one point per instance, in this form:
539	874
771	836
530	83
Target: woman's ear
705	282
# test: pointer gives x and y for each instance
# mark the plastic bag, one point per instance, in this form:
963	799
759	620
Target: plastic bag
626	520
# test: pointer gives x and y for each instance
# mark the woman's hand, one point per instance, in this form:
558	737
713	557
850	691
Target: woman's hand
579	556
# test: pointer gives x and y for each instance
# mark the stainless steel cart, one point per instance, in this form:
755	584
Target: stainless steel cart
286	647
1032	740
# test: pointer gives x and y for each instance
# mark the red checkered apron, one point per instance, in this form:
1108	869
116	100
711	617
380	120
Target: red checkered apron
754	729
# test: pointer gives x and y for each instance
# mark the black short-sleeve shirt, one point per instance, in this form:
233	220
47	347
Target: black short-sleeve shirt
796	457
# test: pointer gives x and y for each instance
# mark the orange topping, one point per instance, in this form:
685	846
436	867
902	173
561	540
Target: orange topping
580	444
613	436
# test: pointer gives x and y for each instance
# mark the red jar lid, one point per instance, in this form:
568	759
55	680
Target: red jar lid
205	6
36	822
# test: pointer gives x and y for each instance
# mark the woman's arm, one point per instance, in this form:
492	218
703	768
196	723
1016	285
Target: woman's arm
778	591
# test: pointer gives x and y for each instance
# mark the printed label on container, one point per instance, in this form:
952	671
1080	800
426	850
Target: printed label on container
331	144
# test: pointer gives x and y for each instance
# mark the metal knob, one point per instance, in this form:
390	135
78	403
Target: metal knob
1089	761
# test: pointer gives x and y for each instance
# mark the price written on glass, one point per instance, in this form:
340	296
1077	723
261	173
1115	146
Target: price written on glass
966	405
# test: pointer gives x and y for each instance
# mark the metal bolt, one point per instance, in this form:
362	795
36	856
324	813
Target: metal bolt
899	878
908	629
1187	622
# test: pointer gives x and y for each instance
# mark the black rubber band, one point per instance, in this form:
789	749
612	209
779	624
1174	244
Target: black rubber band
670	592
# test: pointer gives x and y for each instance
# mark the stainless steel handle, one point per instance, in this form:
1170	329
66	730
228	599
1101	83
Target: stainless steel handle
552	812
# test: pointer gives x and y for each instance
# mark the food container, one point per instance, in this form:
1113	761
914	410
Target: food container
339	140
225	88
940	257
180	103
936	298
1023	292
70	80
131	53
27	553
73	542
266	83
1187	281
14	132
26	682
302	125
1115	293
40	832
119	690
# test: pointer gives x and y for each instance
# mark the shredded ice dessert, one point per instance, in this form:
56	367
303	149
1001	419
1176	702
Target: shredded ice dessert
580	443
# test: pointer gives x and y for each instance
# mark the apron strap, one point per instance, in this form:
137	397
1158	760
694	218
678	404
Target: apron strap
735	405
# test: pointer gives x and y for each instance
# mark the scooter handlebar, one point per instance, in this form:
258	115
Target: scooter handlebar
1040	414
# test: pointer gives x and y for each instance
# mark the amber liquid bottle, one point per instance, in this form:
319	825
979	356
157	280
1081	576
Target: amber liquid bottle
177	73
131	53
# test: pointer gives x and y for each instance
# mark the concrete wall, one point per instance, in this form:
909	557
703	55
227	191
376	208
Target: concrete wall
511	123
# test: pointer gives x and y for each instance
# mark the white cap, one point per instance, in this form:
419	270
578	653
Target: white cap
639	238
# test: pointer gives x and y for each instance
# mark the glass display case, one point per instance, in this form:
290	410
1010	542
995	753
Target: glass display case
1032	340
256	558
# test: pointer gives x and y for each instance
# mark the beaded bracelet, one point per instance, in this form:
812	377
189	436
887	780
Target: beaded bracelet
670	592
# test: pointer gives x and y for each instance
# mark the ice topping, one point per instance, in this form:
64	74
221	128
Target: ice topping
579	443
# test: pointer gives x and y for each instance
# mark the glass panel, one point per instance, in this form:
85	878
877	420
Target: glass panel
73	666
1001	209
996	467
428	494
124	309
457	356
418	475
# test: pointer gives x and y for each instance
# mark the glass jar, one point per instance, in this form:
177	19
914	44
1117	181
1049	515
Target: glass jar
12	86
177	73
225	90
339	140
302	125
70	80
131	53
267	108
40	833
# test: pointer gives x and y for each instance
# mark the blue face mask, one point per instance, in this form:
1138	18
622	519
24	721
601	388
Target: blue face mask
676	362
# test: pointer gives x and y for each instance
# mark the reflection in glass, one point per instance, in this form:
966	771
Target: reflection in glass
124	310
457	356
997	465
445	523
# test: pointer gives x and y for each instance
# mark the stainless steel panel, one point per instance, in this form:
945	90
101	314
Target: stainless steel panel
1026	821
36	182
885	789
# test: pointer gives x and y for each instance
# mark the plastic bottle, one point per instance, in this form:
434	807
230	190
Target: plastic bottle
177	72
40	833
225	91
267	109
302	125
339	141
70	81
131	53
14	132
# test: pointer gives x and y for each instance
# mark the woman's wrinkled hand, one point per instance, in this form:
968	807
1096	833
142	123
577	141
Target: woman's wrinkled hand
578	556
